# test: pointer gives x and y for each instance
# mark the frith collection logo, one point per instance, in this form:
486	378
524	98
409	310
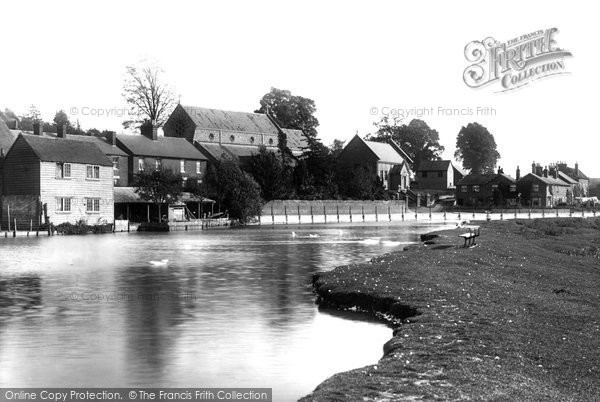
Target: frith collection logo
514	63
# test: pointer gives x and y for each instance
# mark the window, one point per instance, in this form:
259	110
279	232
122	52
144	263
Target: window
63	170
385	174
63	204
92	172
423	174
251	140
198	167
211	137
535	188
182	166
157	163
141	164
463	189
476	189
232	138
440	174
92	204
184	179
513	188
494	187
270	141
115	162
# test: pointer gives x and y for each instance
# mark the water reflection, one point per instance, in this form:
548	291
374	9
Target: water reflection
214	308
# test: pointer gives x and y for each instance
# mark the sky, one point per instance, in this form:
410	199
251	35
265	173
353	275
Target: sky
356	60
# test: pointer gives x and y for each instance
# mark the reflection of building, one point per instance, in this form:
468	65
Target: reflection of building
234	134
482	190
438	175
71	180
387	160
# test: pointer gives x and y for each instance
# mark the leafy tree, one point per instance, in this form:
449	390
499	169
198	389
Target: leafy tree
337	147
148	96
61	118
234	189
159	186
291	111
417	139
476	148
360	183
27	120
271	173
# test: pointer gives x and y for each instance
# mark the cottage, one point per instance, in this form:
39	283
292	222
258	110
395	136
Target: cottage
151	152
387	160
438	175
488	189
542	189
234	134
582	188
56	180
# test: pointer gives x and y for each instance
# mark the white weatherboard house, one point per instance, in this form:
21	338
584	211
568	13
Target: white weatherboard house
57	180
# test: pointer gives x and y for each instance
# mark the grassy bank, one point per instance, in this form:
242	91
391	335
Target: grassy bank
516	317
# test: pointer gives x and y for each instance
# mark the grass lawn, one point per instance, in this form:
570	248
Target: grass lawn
516	317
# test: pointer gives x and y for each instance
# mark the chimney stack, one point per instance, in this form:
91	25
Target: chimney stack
500	170
545	171
518	173
61	131
539	170
533	167
112	138
154	131
37	127
150	130
577	169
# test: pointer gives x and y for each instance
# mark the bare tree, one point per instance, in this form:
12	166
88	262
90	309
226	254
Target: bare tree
149	98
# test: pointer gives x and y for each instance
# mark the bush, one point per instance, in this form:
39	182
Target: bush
81	227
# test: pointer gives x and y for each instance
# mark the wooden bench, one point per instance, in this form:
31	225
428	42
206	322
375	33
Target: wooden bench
469	237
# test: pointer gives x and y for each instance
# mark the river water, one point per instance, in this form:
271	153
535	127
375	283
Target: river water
218	308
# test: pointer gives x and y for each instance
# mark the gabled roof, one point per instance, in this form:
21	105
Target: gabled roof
483	179
384	152
226	120
571	172
7	137
546	180
239	151
64	150
163	147
101	142
566	178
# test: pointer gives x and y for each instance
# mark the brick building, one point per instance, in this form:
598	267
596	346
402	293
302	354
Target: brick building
234	134
544	188
56	180
485	190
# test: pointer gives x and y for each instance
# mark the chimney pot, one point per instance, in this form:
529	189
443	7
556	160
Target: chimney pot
37	128
61	131
577	168
112	138
518	173
545	171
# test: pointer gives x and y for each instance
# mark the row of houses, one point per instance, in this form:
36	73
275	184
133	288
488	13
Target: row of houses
57	177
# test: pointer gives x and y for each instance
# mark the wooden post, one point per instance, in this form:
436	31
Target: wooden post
148	212
337	211
430	212
8	212
324	213
389	213
15	229
285	213
362	207
350	212
502	214
444	215
312	217
402	212
376	216
299	218
272	216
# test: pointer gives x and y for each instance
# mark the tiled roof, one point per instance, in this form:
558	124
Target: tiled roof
163	147
434	165
235	121
482	179
7	137
64	150
546	180
295	139
571	172
101	142
566	178
384	152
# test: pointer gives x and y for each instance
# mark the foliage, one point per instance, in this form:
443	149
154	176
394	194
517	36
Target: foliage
476	148
417	139
161	186
360	183
61	118
148	96
337	147
234	190
271	173
81	227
